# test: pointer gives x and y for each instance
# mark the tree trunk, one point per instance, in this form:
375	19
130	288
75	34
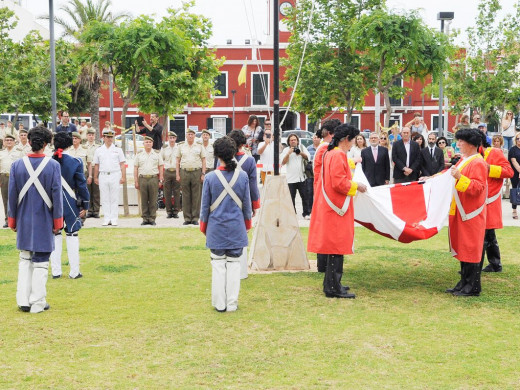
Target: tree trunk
94	106
126	103
388	106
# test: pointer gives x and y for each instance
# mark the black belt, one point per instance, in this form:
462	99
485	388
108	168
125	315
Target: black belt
190	169
147	176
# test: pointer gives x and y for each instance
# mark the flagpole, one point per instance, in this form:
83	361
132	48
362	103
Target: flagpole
276	87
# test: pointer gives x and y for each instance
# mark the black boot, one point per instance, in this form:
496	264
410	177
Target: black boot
472	287
492	251
461	282
321	262
339	272
331	283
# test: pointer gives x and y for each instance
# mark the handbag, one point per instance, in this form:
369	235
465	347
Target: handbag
514	195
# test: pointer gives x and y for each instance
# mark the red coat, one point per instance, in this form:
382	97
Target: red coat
467	237
318	157
329	232
499	169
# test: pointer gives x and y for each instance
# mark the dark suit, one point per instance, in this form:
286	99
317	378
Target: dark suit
376	172
431	165
399	159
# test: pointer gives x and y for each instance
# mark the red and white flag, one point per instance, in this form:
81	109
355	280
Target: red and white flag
404	212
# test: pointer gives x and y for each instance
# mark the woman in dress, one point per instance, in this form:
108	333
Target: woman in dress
448	151
355	151
252	131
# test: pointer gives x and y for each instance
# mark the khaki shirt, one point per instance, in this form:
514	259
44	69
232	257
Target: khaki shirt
48	151
191	156
24	150
91	149
80	152
82	130
148	163
6	159
169	156
6	130
210	156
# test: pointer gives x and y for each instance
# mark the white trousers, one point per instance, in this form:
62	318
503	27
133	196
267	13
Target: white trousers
243	264
225	282
56	255
73	255
32	280
109	196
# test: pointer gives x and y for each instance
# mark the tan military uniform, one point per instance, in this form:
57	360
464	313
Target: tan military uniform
82	130
6	159
81	153
93	188
191	172
24	149
6	130
172	187
147	165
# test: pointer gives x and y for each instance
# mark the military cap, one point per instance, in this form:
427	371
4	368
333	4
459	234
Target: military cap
108	133
75	134
9	136
191	131
206	131
147	138
24	130
91	131
172	133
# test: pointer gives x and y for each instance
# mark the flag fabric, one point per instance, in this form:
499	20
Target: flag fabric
242	74
404	212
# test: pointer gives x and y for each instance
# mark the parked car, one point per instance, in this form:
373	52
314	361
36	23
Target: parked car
130	142
214	134
305	137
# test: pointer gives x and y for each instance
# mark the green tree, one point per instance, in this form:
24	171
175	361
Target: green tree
76	17
25	76
484	76
402	46
149	57
333	73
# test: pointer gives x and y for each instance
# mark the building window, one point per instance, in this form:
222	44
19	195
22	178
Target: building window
435	123
355	120
219	124
397	102
221	85
260	89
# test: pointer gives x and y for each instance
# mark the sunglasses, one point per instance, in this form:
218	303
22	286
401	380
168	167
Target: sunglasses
441	142
267	124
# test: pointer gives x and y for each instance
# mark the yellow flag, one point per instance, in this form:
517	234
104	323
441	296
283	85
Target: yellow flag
242	74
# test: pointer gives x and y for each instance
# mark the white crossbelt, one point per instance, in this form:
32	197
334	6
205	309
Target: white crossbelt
340	211
463	215
241	162
494	197
67	188
228	190
33	179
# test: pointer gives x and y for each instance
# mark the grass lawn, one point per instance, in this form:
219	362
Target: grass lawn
142	318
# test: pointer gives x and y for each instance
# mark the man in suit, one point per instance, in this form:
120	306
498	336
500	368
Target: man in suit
375	162
406	155
432	160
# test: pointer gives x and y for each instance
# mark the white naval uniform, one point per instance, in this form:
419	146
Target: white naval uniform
109	160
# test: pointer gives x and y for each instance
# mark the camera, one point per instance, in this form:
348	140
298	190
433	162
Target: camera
296	150
268	136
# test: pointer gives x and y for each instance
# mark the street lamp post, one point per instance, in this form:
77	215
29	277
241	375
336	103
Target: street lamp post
233	91
53	64
442	16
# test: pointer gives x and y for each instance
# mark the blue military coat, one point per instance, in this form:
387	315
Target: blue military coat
72	172
32	218
226	226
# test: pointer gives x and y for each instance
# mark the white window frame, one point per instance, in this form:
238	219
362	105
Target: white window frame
268	97
400	115
219	117
179	116
227	86
432	116
354	115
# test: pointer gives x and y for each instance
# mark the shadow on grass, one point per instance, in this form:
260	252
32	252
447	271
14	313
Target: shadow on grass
116	268
5	281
